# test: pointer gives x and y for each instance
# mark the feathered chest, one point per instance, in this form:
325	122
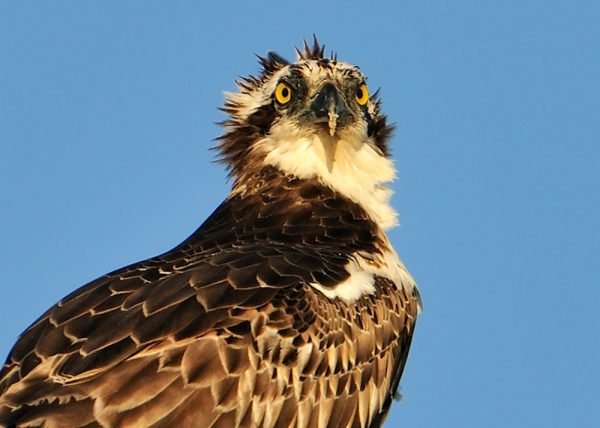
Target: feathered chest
287	307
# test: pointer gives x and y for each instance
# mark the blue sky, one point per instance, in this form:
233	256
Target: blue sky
107	111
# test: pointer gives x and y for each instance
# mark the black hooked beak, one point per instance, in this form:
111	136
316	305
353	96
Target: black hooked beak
328	106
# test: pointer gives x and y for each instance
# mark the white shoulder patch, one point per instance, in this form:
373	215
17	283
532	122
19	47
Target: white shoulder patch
358	284
363	268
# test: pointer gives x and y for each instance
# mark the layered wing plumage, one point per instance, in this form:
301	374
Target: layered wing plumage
226	329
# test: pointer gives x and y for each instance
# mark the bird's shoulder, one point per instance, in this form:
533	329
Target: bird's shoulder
242	256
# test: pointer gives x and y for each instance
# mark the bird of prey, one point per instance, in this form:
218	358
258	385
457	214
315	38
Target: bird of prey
287	307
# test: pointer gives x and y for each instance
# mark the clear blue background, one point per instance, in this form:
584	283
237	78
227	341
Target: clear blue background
108	110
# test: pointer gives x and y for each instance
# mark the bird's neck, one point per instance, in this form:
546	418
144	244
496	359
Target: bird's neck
355	169
279	208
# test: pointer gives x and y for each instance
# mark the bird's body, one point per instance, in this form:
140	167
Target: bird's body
288	307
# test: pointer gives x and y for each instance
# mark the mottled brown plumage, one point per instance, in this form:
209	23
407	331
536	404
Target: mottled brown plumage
253	321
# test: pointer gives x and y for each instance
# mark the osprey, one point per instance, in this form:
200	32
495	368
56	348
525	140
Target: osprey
288	307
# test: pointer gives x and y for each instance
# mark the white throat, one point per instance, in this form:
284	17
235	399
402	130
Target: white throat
347	163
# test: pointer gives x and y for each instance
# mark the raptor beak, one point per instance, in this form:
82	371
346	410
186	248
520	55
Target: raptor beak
328	105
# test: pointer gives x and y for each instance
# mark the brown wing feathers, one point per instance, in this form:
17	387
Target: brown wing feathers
224	330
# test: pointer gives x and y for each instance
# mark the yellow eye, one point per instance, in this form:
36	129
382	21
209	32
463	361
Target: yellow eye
362	95
283	93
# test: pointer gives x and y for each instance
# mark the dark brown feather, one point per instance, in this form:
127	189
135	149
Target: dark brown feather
224	330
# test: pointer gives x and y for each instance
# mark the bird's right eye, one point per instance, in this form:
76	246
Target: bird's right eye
283	93
362	95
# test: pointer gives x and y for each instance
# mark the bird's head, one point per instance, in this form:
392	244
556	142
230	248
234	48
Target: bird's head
312	119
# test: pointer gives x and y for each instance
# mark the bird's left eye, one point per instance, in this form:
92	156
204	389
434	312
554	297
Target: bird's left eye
283	93
362	95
